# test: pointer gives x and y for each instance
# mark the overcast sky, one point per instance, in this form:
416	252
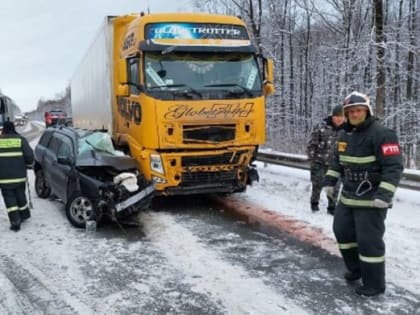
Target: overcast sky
42	41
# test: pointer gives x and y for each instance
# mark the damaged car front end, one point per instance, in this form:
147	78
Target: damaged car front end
98	178
92	179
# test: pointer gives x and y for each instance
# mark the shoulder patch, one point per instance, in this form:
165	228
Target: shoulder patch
389	149
342	146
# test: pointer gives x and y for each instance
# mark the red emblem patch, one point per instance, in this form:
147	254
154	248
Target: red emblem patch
390	149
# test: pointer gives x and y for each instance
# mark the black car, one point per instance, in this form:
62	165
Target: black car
83	170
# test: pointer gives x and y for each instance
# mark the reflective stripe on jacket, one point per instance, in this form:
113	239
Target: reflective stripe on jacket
15	154
369	161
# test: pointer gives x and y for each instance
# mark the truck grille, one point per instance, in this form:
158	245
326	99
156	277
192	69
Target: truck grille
215	133
203	178
231	158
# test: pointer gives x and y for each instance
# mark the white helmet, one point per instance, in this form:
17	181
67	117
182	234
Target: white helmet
357	99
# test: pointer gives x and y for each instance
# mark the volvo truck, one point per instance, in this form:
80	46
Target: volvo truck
184	94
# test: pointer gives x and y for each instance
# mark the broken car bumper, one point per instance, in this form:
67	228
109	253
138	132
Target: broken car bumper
146	192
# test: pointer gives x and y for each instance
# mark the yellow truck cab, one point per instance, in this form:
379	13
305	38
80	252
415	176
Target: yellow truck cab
184	93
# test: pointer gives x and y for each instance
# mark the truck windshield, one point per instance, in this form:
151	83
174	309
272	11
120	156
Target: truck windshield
202	75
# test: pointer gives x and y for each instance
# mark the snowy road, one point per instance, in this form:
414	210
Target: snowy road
186	257
163	267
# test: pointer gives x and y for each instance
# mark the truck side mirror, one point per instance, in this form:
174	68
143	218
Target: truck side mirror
122	71
123	88
269	88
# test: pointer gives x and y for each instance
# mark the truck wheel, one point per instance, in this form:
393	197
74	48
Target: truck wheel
41	186
80	209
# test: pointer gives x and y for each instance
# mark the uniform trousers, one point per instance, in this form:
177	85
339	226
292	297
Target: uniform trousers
359	233
16	204
318	172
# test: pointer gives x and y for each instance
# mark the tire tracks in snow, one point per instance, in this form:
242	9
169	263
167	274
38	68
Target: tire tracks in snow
292	268
34	292
239	292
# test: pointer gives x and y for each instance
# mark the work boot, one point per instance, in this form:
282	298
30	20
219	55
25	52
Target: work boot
14	218
314	206
15	227
366	291
24	214
352	275
330	210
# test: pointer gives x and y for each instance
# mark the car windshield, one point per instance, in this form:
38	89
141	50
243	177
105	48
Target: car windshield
96	141
95	149
202	75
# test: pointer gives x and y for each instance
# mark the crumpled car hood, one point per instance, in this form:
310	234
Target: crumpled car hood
96	158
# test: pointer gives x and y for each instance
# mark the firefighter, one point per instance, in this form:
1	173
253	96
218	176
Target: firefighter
368	159
319	150
15	157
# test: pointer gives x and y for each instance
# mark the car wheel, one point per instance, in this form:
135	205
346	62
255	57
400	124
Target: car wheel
80	209
41	186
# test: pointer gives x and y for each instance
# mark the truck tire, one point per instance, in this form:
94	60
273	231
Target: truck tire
41	186
80	209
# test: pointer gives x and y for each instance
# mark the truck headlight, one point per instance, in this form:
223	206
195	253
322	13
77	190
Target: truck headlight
156	163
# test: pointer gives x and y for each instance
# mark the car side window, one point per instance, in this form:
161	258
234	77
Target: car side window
45	138
65	149
55	143
61	145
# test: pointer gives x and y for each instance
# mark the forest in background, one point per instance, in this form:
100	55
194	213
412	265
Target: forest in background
323	50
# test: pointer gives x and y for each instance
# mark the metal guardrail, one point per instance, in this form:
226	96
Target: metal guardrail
408	180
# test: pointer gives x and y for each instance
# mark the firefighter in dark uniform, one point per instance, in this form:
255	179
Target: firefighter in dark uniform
15	156
320	148
368	160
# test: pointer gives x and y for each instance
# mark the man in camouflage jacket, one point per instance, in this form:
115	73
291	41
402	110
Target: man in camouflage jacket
368	160
319	150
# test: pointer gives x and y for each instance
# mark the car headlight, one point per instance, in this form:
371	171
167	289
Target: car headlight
156	163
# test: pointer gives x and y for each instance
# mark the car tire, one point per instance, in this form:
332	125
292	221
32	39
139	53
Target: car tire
80	209
41	186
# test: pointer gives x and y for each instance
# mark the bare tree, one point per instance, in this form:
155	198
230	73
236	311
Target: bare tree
324	49
380	57
412	35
